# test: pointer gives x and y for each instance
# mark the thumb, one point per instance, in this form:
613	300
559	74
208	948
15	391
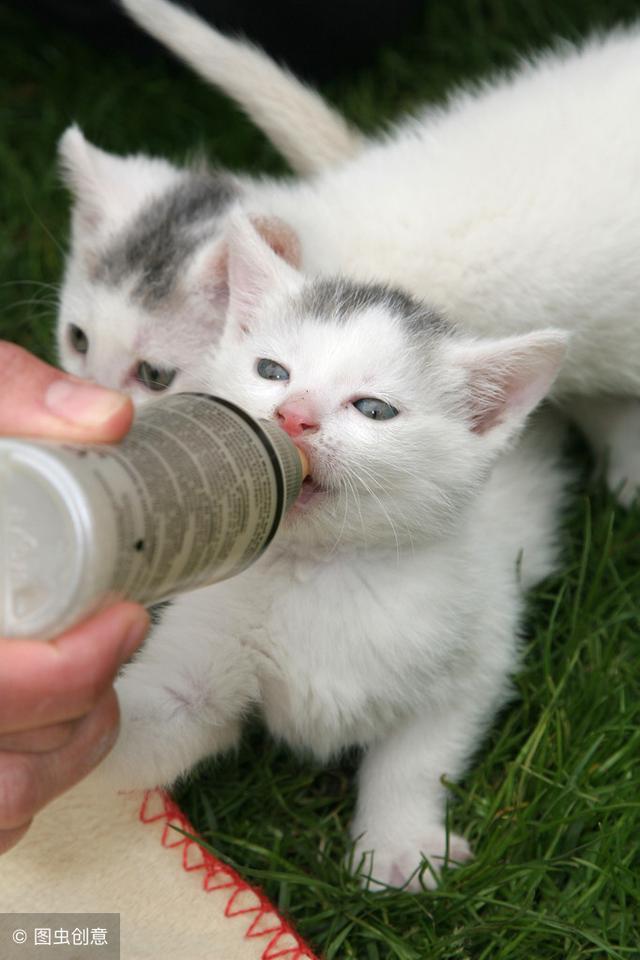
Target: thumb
37	400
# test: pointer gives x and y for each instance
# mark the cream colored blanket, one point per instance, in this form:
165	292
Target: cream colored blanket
118	853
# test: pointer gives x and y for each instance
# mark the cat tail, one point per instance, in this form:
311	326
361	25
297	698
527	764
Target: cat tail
309	134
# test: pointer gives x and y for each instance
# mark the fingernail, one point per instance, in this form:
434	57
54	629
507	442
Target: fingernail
134	637
82	403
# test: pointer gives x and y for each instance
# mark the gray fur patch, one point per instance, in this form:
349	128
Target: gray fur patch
337	299
165	233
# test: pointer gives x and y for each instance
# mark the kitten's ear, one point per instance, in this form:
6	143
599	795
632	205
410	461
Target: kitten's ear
254	269
506	379
107	188
211	268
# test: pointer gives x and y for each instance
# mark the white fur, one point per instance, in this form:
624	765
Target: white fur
306	131
514	207
108	189
386	613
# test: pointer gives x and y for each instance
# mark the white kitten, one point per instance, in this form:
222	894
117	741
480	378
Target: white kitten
516	206
386	614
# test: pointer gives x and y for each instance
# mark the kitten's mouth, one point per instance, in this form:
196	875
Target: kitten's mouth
309	492
311	489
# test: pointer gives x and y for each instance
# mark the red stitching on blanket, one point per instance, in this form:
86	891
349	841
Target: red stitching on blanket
219	876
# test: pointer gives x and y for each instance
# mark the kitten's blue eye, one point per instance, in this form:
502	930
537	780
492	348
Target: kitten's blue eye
154	378
78	339
271	370
375	409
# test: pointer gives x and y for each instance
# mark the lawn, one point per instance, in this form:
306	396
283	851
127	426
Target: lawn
552	803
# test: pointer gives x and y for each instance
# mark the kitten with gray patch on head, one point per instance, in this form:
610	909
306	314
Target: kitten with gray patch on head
145	289
386	614
144	292
495	208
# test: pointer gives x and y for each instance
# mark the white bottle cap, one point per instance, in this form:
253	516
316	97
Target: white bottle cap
43	530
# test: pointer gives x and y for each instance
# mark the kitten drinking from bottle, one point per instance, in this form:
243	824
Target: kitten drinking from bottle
386	614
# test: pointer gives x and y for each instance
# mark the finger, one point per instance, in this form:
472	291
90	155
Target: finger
49	683
37	400
9	838
41	740
29	781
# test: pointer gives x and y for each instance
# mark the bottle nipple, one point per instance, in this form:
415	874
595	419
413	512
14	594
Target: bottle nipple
304	462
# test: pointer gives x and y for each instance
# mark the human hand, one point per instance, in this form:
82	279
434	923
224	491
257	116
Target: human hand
58	710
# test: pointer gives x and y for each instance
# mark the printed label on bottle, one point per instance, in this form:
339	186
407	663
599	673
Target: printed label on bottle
194	494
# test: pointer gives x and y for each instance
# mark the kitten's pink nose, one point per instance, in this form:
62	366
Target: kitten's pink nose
297	417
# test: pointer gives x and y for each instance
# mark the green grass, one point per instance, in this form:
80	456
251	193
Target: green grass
552	803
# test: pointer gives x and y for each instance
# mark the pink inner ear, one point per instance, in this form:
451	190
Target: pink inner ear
481	423
282	238
508	381
492	400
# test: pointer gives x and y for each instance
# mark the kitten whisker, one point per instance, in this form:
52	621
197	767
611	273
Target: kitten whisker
31	283
354	474
23	322
344	517
37	216
357	500
406	527
47	301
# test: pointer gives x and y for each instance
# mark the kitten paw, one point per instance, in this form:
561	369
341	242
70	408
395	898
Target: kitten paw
402	864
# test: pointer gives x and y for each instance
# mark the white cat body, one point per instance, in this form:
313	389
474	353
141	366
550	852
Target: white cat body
515	206
352	646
